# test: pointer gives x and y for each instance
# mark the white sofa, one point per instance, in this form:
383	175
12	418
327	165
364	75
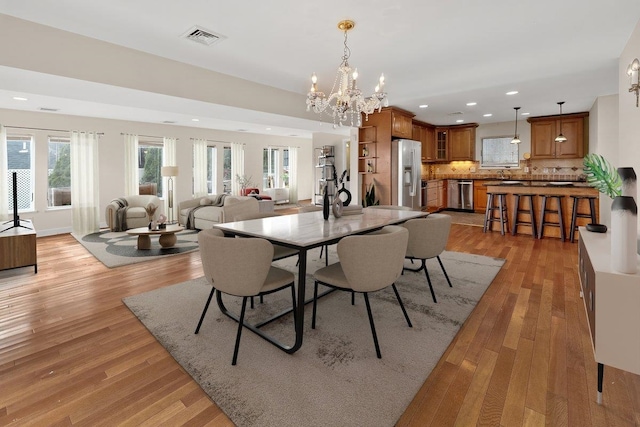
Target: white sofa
136	215
206	216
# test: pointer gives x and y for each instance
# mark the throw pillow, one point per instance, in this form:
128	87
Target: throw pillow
205	201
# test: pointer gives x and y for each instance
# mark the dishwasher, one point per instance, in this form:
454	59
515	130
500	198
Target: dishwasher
460	194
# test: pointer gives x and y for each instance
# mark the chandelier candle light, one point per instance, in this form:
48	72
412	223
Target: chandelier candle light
345	102
634	78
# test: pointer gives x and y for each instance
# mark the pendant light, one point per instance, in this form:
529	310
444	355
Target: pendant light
561	137
516	139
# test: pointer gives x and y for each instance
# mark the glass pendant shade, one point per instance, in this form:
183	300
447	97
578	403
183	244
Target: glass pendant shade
560	137
516	138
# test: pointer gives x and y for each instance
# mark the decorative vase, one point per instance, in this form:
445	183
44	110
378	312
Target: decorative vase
624	231
325	203
629	182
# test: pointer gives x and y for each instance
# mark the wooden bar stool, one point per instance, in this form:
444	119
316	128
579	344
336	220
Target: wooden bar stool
544	211
517	210
575	214
502	217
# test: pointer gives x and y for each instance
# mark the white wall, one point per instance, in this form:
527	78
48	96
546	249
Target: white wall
111	157
603	139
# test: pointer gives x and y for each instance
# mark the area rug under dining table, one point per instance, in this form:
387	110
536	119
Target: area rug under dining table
335	379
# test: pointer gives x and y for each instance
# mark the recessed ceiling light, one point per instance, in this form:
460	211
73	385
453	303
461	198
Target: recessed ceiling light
513	92
195	120
471	104
19	98
525	114
423	106
268	129
293	134
487	115
459	121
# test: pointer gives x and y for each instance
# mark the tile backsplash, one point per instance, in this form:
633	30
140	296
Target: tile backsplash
551	169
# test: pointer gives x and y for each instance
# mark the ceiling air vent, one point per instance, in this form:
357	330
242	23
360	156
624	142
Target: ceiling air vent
168	122
49	109
203	36
455	113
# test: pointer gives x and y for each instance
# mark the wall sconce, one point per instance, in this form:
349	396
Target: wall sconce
634	79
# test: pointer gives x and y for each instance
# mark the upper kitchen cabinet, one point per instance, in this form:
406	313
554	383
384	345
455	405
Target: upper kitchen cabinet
425	133
455	143
462	142
401	123
544	130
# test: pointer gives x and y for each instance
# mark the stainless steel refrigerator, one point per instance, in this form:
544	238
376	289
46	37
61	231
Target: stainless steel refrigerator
406	166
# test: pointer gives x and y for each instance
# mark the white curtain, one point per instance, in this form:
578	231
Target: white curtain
4	176
131	174
237	166
200	167
293	174
169	159
84	182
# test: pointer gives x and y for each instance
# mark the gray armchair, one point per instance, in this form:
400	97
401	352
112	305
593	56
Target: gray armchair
135	215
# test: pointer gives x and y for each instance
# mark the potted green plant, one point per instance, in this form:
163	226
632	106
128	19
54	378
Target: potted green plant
602	176
370	196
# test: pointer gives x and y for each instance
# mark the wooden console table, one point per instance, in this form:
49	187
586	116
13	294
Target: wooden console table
614	317
18	246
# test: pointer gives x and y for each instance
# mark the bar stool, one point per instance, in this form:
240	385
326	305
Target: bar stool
502	218
532	218
575	214
544	211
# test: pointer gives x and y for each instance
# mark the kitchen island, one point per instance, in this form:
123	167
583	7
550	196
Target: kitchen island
538	189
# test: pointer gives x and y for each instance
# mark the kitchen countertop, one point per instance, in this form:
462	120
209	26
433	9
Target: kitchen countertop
522	183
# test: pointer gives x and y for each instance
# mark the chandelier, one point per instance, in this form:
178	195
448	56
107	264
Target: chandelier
345	103
561	137
516	138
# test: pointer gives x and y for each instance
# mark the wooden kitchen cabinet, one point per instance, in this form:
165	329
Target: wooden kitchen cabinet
435	195
462	143
425	133
479	196
544	131
401	124
442	146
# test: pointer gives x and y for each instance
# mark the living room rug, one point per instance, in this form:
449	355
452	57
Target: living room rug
115	249
335	379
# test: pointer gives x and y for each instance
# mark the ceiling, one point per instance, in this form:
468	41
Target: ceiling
443	54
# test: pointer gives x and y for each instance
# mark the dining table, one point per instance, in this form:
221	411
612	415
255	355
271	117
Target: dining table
302	232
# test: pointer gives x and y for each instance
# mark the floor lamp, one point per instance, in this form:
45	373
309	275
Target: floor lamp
170	171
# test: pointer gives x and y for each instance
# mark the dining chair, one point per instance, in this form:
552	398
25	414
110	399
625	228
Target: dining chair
368	263
427	239
325	248
240	267
279	251
394	207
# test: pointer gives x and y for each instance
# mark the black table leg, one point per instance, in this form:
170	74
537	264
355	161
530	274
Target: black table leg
600	376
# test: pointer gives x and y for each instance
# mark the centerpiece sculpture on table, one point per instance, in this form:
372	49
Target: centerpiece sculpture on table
620	185
151	211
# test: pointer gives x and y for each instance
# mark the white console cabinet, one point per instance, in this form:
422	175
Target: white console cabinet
278	195
612	304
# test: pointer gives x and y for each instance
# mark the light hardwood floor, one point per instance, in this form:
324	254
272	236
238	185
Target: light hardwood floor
71	353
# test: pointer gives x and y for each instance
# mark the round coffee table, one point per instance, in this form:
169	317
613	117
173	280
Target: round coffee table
167	236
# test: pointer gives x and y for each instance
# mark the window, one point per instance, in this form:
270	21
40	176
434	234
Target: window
20	160
59	172
499	152
275	168
150	165
212	154
226	166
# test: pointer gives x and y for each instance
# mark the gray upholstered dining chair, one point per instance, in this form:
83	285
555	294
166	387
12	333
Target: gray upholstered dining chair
368	263
279	251
394	207
240	267
427	239
325	248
